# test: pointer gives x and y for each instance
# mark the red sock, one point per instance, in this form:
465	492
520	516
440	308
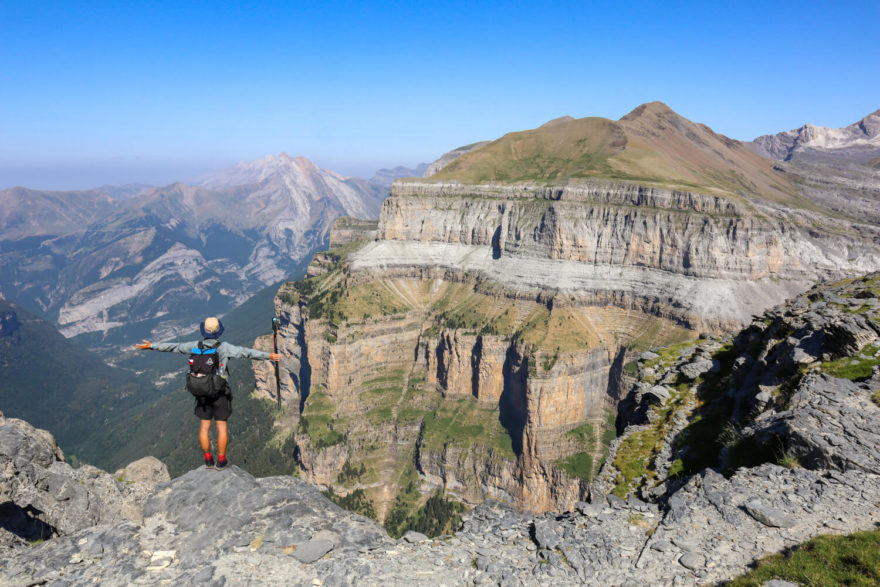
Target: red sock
207	455
221	458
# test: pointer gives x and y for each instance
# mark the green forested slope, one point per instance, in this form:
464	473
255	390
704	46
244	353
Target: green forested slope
55	384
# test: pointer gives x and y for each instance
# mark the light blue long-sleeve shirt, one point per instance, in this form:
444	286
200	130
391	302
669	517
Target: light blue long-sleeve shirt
225	351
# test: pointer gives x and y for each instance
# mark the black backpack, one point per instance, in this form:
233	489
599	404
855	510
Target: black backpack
203	379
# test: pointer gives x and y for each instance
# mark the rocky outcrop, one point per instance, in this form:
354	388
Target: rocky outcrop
347	230
43	497
206	526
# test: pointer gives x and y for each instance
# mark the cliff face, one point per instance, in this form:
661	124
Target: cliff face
481	334
488	394
707	260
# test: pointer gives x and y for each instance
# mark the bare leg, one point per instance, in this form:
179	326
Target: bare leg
222	437
205	434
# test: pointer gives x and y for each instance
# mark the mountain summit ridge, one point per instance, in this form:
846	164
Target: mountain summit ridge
864	133
651	145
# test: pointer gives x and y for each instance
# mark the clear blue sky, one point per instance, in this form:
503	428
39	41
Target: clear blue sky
115	92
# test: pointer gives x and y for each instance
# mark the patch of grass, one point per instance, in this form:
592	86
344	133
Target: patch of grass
379	415
857	368
702	439
788	461
635	455
320	430
825	560
876	397
579	465
633	458
609	430
318	402
466	424
556	331
376	298
390	376
583	433
631	369
291	298
675	469
404	503
656	332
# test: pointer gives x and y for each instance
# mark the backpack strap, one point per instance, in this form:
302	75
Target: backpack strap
200	349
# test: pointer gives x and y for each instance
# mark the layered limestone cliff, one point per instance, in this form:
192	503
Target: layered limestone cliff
479	335
706	260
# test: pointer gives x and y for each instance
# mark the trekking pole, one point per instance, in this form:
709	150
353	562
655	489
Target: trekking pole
277	372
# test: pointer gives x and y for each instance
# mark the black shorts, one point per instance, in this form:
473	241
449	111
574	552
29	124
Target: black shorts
220	409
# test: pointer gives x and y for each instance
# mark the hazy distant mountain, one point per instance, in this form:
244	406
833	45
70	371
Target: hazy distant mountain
122	192
838	168
28	213
860	138
154	264
384	177
294	186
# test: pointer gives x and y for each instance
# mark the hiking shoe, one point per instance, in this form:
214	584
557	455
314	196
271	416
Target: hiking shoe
209	462
221	464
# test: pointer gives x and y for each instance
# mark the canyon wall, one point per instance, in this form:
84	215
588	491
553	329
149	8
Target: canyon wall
478	335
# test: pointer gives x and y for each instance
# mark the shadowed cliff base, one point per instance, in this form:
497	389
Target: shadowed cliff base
512	407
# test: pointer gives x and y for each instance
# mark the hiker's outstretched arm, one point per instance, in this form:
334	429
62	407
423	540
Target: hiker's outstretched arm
241	352
168	347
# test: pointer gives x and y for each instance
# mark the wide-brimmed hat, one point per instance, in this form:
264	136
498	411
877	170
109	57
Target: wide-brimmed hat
211	328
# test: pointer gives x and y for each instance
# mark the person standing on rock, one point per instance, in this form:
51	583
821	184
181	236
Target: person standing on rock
216	407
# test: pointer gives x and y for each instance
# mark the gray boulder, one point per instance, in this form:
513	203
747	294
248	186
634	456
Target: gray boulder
830	423
658	395
58	499
697	367
148	471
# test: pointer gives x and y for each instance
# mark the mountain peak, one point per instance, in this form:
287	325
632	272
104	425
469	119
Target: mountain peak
652	141
864	134
649	109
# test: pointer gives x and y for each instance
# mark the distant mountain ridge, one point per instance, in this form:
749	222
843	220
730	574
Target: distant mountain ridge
384	177
837	168
154	263
863	134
